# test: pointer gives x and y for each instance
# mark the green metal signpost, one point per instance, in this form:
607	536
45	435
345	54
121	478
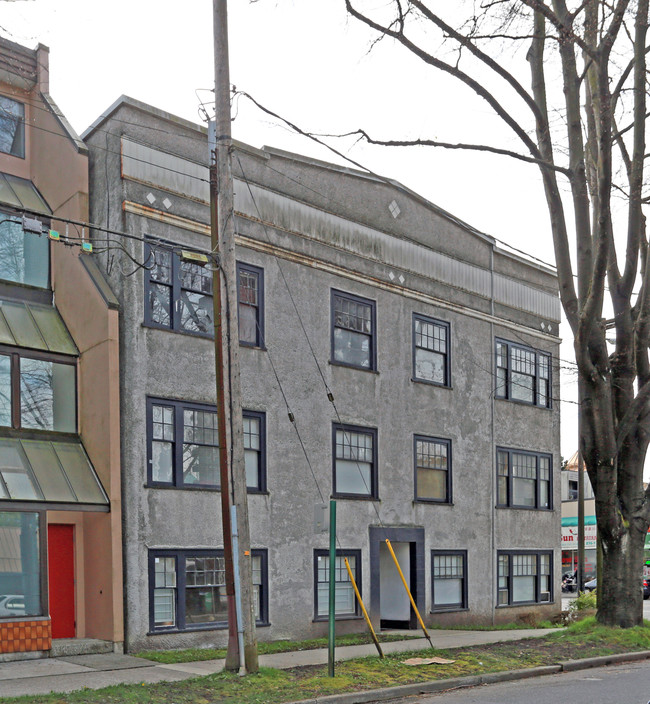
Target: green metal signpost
331	634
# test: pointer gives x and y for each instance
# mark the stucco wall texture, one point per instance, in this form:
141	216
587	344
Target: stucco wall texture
165	364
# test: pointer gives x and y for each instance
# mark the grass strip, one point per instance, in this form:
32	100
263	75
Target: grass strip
168	657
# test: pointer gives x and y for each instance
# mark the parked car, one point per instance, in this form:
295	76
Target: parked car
12	605
590	586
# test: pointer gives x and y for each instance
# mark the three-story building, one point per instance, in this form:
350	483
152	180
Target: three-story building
60	493
418	360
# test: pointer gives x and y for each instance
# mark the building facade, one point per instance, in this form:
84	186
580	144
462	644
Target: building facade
569	479
60	493
417	358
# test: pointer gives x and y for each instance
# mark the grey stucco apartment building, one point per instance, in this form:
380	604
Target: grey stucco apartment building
440	351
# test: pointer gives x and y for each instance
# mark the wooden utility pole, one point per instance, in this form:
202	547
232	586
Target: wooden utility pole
232	654
229	372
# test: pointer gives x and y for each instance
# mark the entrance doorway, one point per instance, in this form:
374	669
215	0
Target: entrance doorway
394	604
388	598
60	560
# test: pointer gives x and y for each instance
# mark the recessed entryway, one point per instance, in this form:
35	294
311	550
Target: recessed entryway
388	597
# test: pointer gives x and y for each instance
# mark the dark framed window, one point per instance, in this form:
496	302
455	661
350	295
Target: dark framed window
178	290
524	577
24	256
432	469
431	357
250	299
12	127
183	446
345	601
573	490
187	589
524	479
353	331
448	580
255	450
355	461
523	374
38	391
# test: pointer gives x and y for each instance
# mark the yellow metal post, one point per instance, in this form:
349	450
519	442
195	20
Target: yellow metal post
363	608
408	591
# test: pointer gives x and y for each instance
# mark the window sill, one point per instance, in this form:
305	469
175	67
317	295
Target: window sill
355	497
342	617
200	487
248	345
217	626
183	487
415	380
353	366
448	609
524	403
35	434
163	328
433	502
525	603
524	508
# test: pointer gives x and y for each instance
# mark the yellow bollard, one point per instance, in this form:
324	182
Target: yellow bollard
408	591
363	608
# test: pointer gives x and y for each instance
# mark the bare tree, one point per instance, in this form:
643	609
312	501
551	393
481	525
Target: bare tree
582	123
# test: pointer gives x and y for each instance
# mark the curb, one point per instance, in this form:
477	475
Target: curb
572	665
406	690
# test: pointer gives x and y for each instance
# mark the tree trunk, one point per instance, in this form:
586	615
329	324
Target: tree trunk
620	596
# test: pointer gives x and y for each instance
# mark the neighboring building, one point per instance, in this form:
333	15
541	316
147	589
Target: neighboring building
60	501
438	346
569	479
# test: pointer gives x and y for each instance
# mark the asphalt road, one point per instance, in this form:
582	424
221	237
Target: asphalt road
618	684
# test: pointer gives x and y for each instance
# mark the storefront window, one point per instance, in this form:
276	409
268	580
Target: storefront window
20	571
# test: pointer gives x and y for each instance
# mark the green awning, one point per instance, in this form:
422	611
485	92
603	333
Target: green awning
22	194
36	326
569	521
50	475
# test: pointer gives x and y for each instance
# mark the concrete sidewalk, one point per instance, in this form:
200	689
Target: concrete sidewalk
67	674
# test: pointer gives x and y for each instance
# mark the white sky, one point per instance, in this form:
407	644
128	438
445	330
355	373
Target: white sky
308	62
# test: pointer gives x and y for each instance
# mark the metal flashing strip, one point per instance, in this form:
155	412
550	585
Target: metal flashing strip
280	212
163	170
176	174
335	269
275	251
186	178
48	472
34	326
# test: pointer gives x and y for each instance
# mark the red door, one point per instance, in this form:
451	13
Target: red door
60	558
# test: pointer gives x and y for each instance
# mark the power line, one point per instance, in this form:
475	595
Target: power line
328	391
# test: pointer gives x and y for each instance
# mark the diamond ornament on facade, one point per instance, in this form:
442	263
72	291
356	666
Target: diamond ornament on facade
394	208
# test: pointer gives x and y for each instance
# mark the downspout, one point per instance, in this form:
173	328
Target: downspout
492	447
